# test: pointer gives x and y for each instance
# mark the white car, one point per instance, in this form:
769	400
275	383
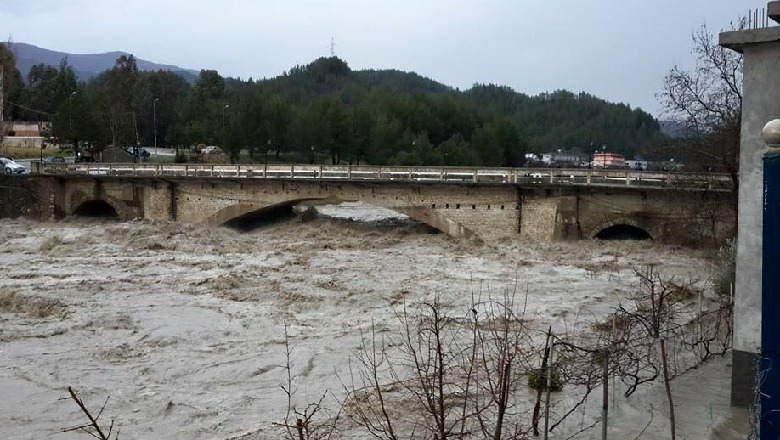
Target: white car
9	166
211	149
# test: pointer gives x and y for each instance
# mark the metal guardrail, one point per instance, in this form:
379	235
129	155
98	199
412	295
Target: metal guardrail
513	176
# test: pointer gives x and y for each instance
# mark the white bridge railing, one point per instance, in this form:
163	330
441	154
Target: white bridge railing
525	176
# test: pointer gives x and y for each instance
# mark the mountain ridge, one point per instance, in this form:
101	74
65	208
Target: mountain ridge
85	66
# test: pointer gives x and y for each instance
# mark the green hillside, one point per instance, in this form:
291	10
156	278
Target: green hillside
326	111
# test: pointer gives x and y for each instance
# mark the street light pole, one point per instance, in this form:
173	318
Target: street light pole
70	123
224	134
154	122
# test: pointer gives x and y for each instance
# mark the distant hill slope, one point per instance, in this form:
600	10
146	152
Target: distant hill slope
549	121
325	76
399	81
85	66
675	129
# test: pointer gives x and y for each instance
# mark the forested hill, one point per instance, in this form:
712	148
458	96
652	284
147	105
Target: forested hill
566	120
415	106
321	111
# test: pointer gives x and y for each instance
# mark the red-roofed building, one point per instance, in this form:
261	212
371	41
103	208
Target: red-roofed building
609	160
24	134
26	129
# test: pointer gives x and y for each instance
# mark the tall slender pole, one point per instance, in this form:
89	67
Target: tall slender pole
2	102
70	124
547	390
223	115
224	134
154	122
605	396
137	149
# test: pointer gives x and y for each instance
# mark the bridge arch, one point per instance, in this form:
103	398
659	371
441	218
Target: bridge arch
423	215
622	228
96	208
85	205
232	212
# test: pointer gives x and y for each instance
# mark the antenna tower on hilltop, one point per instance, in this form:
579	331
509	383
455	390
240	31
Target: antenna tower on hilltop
332	48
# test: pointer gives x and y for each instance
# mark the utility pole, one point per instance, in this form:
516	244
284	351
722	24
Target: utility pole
70	125
154	122
2	103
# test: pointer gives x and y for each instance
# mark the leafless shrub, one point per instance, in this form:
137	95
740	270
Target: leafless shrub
310	422
92	428
725	268
708	100
658	333
460	373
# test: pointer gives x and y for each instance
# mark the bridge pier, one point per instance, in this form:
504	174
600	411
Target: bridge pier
160	201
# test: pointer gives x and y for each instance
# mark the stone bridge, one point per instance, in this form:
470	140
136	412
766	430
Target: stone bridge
490	203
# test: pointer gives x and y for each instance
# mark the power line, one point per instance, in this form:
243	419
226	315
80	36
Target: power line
30	109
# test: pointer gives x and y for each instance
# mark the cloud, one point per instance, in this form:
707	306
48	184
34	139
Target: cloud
616	50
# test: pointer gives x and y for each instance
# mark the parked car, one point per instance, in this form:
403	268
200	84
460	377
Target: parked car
211	149
54	160
143	153
10	166
84	156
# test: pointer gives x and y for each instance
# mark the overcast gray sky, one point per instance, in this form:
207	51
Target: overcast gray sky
618	50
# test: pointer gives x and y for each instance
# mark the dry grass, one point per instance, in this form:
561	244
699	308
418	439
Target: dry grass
37	307
24	152
213	158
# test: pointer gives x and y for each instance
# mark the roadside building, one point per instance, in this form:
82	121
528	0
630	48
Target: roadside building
609	160
23	134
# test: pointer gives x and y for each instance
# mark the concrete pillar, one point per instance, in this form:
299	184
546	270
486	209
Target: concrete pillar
760	103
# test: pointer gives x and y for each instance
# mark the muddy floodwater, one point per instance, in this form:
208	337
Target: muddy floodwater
183	326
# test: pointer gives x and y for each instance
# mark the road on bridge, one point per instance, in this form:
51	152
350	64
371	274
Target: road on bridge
480	175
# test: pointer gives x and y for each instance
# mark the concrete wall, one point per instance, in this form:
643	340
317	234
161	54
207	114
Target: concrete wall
28	142
760	103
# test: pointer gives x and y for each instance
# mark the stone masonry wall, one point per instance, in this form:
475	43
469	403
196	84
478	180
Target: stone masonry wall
487	211
490	212
157	201
538	218
693	218
18	197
